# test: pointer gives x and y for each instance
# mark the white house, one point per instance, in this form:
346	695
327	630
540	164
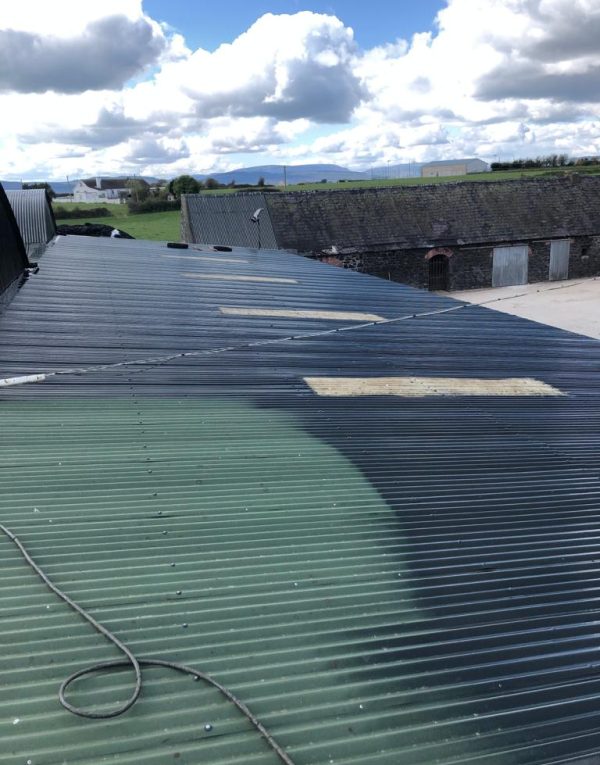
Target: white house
103	190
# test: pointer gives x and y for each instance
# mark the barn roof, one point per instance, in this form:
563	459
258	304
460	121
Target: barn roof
226	219
407	217
424	216
13	257
110	183
441	162
383	579
34	215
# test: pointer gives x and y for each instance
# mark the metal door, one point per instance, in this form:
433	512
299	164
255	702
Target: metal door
510	265
559	259
438	273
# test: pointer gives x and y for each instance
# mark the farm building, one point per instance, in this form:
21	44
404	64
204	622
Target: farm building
227	219
448	167
382	540
101	190
13	256
441	237
35	217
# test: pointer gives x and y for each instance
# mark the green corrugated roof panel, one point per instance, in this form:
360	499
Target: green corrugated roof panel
381	580
274	540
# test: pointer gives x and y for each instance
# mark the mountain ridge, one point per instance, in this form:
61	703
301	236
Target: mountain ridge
273	175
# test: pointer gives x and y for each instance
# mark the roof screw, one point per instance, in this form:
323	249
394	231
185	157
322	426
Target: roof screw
208	727
184	625
165	533
178	592
160	512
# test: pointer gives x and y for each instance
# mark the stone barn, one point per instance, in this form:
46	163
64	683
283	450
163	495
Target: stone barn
449	236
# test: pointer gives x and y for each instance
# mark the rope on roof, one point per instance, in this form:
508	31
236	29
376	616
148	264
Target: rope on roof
33	378
134	663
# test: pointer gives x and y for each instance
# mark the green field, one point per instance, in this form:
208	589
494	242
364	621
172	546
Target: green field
501	175
160	226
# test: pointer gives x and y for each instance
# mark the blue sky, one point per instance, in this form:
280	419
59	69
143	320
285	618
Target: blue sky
165	87
375	22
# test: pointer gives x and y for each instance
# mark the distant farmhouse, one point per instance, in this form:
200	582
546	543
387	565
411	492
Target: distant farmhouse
439	237
448	167
102	190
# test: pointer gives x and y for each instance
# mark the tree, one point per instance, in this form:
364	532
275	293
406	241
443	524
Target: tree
139	189
210	183
261	181
184	184
49	190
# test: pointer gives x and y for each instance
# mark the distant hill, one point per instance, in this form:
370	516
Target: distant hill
60	187
11	184
274	174
66	187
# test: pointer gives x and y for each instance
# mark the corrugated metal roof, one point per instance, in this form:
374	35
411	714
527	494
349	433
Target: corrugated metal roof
225	219
382	580
34	215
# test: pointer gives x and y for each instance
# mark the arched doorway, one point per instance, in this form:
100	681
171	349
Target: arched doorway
438	272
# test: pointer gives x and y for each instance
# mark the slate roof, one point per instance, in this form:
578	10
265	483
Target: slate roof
110	183
404	217
424	216
382	580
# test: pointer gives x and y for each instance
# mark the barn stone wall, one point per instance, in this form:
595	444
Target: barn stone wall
469	267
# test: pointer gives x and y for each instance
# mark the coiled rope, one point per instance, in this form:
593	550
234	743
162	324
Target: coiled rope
134	663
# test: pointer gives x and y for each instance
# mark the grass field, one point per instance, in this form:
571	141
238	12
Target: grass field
160	226
501	175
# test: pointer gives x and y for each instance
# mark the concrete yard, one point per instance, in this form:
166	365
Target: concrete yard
572	305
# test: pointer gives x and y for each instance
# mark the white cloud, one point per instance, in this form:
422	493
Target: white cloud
494	77
71	47
285	67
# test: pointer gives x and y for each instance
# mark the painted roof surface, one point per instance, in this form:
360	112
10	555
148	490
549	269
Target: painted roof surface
34	215
382	579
